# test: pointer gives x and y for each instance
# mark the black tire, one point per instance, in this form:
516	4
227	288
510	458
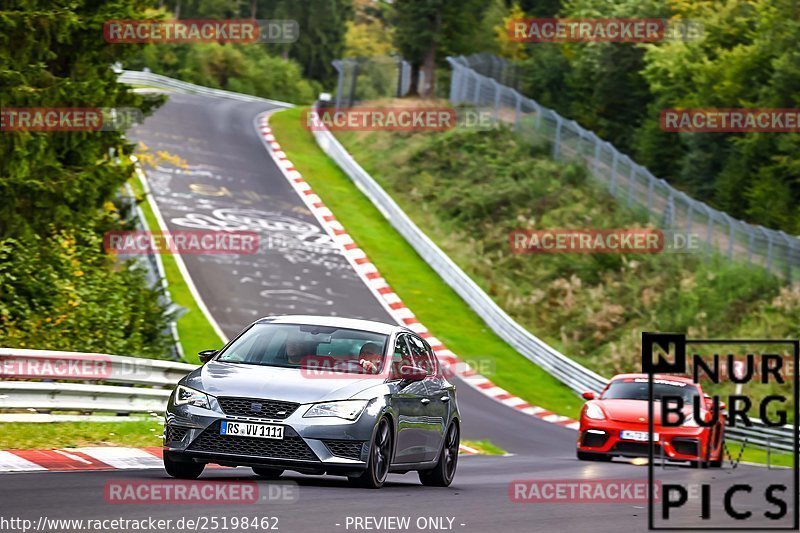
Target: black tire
589	456
182	469
379	459
267	473
445	470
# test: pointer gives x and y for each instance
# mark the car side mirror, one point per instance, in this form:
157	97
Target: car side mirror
588	395
412	373
206	355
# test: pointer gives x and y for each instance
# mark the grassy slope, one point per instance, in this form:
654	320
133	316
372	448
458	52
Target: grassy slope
433	302
73	434
194	331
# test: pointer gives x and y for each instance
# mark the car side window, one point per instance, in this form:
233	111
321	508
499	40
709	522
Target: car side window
401	355
421	355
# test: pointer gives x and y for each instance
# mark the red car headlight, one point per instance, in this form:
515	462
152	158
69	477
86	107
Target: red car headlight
594	412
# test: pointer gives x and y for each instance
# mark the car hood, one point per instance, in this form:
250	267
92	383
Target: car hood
287	384
633	411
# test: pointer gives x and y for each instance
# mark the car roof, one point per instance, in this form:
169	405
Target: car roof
334	321
682	379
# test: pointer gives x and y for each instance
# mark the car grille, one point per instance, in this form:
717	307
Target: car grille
173	433
345	448
686	446
291	447
637	448
273	409
593	439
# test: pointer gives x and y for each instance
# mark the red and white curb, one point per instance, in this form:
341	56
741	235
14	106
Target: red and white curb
369	273
75	459
96	458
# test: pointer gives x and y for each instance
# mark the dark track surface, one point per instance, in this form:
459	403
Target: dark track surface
230	169
231	181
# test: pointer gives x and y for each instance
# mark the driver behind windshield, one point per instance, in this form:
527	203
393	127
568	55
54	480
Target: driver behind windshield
369	357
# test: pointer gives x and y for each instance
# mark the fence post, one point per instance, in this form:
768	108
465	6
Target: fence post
596	164
338	66
769	251
710	229
669	211
632	183
731	236
750	244
517	109
477	91
557	136
650	185
496	101
615	157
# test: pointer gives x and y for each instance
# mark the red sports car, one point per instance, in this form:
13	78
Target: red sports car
615	422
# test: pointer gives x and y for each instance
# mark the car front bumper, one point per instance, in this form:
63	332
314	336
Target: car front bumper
312	445
684	443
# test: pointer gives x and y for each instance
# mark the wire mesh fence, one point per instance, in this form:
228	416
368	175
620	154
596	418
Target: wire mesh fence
361	79
486	81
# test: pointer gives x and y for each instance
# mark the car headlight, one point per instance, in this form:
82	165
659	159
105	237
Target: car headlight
348	409
593	411
187	396
689	420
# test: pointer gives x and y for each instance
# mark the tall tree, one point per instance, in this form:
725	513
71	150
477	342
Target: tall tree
429	30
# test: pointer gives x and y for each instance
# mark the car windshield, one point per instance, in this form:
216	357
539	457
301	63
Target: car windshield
637	389
308	347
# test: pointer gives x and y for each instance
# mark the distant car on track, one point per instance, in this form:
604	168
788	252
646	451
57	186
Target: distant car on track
317	395
614	423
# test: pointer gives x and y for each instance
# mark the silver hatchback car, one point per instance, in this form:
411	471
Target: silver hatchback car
317	395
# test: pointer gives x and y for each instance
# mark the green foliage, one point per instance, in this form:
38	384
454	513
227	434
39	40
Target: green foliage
63	293
244	68
747	57
323	24
58	289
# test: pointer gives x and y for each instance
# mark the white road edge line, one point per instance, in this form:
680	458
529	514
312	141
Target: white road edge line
176	254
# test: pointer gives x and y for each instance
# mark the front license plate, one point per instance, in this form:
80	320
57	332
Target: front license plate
243	429
640	436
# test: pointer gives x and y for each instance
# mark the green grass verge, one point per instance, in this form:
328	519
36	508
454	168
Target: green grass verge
431	299
136	433
194	331
757	455
484	447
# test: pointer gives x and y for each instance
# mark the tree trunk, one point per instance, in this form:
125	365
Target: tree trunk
429	68
253	9
429	63
412	90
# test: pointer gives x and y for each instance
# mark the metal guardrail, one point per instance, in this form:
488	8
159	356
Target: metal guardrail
569	372
80	397
149	381
133	77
